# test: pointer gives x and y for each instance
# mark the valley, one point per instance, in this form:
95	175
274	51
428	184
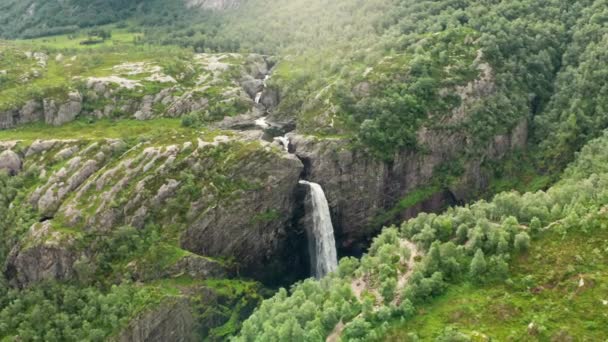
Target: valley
257	170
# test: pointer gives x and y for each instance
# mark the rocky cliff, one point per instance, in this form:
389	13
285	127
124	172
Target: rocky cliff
446	168
228	198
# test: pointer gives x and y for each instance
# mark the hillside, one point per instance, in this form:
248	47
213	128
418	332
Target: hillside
447	277
166	167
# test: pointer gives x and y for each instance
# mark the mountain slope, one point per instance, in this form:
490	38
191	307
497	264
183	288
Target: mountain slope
386	291
153	152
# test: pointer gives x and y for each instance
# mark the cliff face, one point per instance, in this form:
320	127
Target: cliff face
172	320
236	207
365	193
361	189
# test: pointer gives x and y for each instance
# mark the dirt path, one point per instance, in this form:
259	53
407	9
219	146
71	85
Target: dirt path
336	333
402	281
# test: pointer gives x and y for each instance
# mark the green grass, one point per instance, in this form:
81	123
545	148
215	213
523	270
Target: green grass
544	290
162	128
120	37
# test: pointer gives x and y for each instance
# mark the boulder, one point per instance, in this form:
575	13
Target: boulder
59	113
252	86
10	162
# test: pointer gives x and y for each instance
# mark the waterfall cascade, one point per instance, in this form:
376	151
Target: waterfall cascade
322	244
283	141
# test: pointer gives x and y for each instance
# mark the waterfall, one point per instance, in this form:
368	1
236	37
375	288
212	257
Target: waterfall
258	97
283	141
322	244
262	123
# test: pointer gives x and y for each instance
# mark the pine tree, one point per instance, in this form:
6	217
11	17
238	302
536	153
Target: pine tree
478	266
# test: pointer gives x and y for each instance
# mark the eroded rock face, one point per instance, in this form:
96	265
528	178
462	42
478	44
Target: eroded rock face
232	198
360	188
254	240
59	113
172	320
44	254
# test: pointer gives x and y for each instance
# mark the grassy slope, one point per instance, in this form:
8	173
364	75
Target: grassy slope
544	289
111	129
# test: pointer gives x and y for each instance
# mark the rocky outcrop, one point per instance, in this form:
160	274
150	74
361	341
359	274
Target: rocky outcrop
229	198
360	188
172	320
52	111
59	113
223	80
10	162
213	4
253	240
44	254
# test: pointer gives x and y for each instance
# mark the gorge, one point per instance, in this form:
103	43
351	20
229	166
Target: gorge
290	170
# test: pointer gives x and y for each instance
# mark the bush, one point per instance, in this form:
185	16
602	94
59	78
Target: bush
522	242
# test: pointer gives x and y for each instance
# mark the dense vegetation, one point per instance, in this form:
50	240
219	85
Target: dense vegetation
354	66
375	73
474	245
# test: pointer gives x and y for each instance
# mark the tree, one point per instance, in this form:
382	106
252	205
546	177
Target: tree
478	266
432	261
535	225
522	242
387	289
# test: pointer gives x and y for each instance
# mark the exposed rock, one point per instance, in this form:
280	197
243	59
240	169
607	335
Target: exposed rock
172	320
58	114
253	240
10	162
41	59
31	111
40	146
252	86
99	84
61	184
359	187
187	103
270	98
166	190
193	266
45	255
145	111
257	66
213	4
354	183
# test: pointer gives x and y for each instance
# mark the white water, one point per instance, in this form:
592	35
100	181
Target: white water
258	97
266	78
324	258
283	141
262	123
